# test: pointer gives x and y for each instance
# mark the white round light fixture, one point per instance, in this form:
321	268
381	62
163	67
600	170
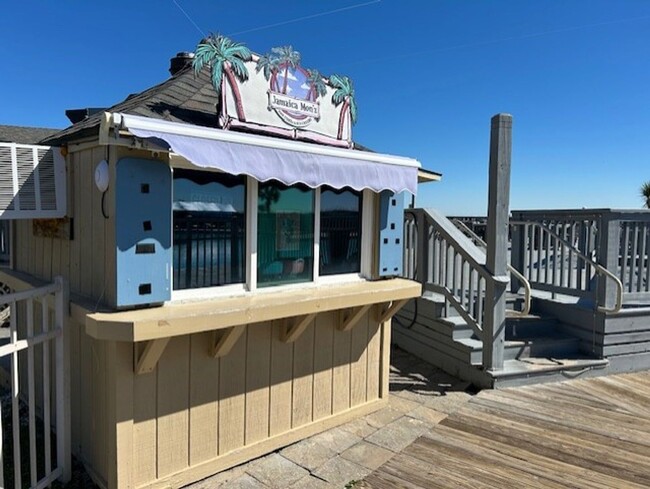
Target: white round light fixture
101	176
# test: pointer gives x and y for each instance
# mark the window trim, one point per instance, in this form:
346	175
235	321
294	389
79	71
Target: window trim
368	202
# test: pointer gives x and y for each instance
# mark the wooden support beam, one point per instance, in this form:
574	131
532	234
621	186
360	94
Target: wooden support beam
148	359
353	318
394	307
224	339
292	332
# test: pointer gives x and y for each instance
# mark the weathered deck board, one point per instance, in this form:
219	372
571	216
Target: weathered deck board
583	433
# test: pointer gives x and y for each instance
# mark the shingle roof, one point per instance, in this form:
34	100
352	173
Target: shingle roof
25	135
182	98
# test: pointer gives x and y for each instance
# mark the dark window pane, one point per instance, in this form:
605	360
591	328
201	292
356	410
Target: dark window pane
340	231
209	229
285	234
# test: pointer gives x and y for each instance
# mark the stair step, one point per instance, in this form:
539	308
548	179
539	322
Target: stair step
535	370
554	346
518	327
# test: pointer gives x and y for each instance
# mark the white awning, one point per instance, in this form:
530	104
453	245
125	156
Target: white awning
266	158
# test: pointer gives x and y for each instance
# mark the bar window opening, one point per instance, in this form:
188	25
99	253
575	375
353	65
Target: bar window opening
285	234
340	231
209	220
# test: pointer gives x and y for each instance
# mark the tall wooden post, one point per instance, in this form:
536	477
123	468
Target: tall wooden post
497	241
609	231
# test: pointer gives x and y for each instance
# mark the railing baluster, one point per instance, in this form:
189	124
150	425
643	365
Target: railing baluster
546	257
31	394
625	255
470	295
15	392
481	293
633	257
572	237
530	234
647	259
46	390
436	261
562	251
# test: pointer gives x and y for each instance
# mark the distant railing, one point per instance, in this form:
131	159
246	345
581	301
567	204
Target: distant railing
616	241
446	262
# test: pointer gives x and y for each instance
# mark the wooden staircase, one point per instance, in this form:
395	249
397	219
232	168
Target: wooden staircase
537	348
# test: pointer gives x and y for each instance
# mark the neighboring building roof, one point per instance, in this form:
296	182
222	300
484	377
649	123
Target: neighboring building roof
25	135
183	97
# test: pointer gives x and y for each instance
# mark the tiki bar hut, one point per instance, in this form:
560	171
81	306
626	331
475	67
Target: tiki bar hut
232	260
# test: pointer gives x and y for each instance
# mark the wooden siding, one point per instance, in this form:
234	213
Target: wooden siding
195	415
82	260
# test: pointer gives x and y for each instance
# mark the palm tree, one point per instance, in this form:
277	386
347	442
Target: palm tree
289	58
269	63
344	93
224	56
317	87
645	193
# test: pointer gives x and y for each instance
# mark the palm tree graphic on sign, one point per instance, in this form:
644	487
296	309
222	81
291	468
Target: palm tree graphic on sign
288	59
344	93
224	56
317	87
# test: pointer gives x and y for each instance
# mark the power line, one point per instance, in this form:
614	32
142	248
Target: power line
190	19
306	17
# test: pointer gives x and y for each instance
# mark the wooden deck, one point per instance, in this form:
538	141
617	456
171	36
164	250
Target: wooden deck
591	433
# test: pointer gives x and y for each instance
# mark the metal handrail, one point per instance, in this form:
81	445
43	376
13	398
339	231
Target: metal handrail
527	290
597	266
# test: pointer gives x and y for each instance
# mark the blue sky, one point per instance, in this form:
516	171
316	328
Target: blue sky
575	75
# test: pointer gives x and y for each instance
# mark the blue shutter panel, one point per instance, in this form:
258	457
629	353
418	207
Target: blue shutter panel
143	221
391	233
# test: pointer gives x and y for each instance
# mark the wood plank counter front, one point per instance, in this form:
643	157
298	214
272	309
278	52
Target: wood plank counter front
185	390
224	312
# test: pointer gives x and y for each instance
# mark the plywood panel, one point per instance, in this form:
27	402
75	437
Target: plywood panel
358	359
37	256
98	242
173	406
54	252
75	244
303	381
100	432
341	371
87	400
324	326
258	377
110	250
84	220
76	369
119	358
204	400
281	375
145	455
373	358
232	403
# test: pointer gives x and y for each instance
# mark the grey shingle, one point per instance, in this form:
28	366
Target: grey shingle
24	135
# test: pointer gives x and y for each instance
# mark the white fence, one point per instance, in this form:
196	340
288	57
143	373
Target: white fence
39	401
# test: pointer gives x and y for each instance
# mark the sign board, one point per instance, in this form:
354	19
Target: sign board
274	94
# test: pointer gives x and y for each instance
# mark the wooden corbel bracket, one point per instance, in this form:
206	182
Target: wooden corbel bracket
146	361
224	339
388	312
293	328
350	320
